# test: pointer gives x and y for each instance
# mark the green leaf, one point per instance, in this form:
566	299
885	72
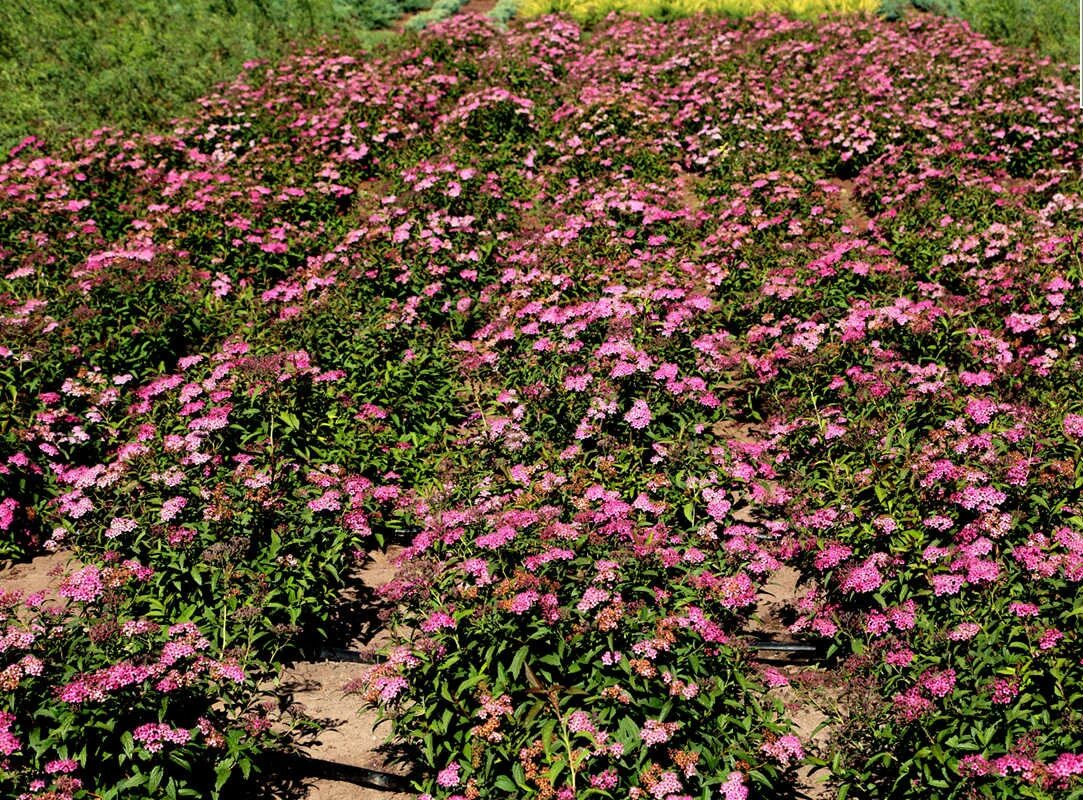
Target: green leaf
127	743
221	773
518	660
505	784
689	511
155	778
135	780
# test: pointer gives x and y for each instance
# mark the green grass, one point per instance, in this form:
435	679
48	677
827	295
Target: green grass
69	66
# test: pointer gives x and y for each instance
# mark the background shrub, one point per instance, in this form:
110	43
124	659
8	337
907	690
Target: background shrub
1049	26
71	66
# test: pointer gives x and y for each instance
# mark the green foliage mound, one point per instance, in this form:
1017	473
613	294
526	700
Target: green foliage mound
1049	26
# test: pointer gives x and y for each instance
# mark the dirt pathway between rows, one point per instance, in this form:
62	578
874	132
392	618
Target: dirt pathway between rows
350	735
804	707
809	684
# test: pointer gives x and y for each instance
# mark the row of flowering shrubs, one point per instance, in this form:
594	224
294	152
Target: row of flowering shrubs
605	330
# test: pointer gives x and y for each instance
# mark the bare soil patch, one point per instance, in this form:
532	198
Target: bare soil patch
349	735
813	694
846	200
42	574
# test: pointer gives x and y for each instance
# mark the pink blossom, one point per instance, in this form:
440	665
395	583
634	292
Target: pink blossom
911	704
497	538
154	735
972	766
656	732
639	415
1067	765
734	788
578	382
9	742
947	584
964	631
448	776
1024	609
1004	690
833	554
592	597
172	507
772	677
580	722
328	501
523	602
1014	763
786	749
7	512
437	621
83	586
863	578
939	683
667	785
876	623
980	498
389	687
1049	639
899	656
119	526
604	780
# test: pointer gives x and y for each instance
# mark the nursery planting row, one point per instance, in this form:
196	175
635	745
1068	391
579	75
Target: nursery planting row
604	328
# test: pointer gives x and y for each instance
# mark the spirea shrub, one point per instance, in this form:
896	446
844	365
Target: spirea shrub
602	331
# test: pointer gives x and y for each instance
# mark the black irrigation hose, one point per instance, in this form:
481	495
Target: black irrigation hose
339	654
784	647
313	767
784	653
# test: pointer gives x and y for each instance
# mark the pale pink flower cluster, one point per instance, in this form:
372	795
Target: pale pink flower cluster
657	732
436	621
9	742
639	415
83	586
154	735
448	777
1073	425
734	788
172	507
786	749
